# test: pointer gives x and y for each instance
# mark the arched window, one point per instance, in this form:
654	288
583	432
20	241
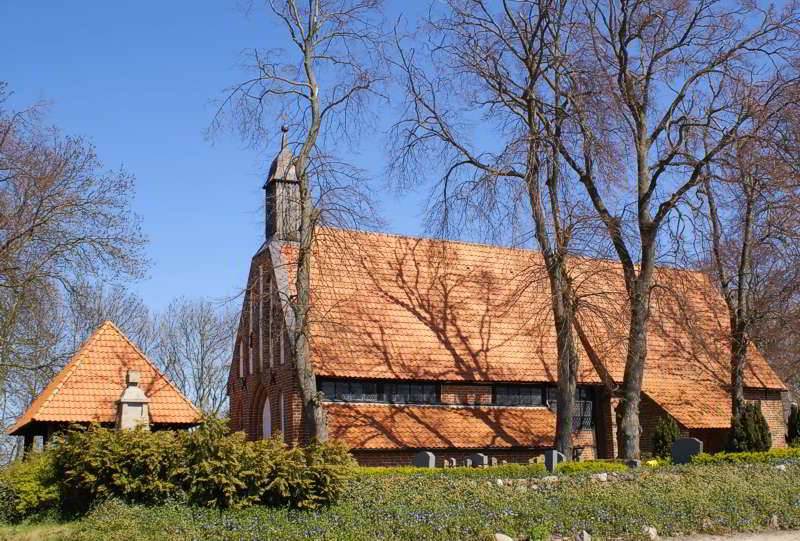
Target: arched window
266	421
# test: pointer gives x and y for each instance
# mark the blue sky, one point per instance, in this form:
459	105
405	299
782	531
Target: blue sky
138	80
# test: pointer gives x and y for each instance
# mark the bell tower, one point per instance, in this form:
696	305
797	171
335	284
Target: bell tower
282	192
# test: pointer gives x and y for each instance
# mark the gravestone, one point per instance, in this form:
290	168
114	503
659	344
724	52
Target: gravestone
493	461
453	462
479	460
468	462
425	459
683	449
552	459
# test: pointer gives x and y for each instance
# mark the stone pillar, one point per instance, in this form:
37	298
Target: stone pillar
132	407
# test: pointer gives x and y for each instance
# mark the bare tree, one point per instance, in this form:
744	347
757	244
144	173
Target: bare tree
192	345
62	219
320	89
495	64
753	226
665	87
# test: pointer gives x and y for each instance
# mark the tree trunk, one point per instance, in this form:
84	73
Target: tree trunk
561	300
629	428
739	343
567	365
313	413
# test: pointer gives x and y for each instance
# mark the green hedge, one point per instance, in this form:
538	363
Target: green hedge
207	467
28	488
504	471
759	457
674	499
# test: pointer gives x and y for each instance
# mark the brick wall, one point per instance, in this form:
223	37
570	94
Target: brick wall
649	415
466	394
585	439
772	407
264	345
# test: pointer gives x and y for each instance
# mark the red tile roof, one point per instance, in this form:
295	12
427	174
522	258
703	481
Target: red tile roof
395	307
87	388
384	426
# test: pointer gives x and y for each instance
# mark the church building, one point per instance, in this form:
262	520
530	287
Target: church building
449	347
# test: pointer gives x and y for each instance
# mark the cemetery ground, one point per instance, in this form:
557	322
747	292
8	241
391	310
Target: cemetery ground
606	499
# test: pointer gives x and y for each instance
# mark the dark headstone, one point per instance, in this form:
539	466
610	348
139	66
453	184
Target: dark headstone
633	463
552	458
425	459
683	449
479	460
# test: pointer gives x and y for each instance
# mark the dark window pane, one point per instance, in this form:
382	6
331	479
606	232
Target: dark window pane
328	388
369	391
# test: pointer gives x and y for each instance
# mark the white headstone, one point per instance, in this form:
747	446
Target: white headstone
552	458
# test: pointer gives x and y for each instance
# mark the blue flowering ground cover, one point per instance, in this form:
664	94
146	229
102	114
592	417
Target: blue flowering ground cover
449	505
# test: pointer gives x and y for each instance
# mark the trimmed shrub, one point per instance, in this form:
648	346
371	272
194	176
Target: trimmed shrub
592	466
750	431
794	426
664	435
760	457
208	467
28	487
133	465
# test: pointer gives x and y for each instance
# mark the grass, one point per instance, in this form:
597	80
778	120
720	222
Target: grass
45	531
444	505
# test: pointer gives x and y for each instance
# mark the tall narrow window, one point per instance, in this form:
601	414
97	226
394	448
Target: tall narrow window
283	415
250	334
271	316
261	318
266	420
241	359
283	352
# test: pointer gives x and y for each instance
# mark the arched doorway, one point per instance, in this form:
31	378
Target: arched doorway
266	420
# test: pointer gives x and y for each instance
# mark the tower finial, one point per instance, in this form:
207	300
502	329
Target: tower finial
285	130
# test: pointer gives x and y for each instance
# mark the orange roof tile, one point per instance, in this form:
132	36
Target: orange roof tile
384	426
386	306
88	387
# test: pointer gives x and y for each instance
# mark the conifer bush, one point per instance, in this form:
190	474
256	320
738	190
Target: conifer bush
793	436
28	487
208	467
664	435
750	431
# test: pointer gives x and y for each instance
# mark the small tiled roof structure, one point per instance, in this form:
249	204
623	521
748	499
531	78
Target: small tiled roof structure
87	389
394	307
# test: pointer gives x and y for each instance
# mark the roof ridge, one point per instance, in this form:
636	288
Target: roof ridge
151	363
611	260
